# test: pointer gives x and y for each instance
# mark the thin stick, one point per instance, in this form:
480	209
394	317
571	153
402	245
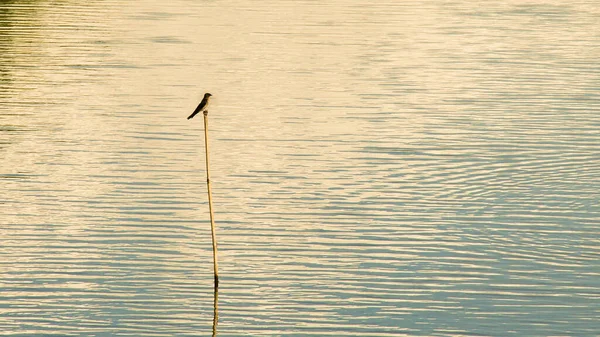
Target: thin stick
210	206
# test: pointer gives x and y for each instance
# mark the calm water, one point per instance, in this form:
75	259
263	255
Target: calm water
398	169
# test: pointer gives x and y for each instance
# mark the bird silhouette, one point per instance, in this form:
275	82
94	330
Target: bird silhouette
201	106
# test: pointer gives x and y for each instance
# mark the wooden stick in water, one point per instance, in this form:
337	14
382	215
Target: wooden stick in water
210	206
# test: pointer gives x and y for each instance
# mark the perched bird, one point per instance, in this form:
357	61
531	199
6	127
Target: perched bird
201	106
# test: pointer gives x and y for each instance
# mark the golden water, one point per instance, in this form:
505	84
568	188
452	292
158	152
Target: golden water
382	169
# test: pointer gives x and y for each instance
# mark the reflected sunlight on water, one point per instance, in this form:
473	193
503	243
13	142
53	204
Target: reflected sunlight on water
378	170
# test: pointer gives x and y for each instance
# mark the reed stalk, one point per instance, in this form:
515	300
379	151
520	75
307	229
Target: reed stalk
210	205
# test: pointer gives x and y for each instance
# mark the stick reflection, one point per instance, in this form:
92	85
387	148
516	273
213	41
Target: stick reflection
216	309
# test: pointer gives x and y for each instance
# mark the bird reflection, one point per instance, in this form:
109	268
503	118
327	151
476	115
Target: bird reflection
216	310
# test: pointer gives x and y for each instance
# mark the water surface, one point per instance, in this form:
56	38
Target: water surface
377	170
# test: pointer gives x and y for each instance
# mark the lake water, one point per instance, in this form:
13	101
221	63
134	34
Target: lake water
398	168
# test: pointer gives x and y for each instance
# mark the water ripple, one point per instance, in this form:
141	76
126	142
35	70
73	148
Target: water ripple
396	169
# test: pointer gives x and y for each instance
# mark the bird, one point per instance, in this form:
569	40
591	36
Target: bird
201	106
